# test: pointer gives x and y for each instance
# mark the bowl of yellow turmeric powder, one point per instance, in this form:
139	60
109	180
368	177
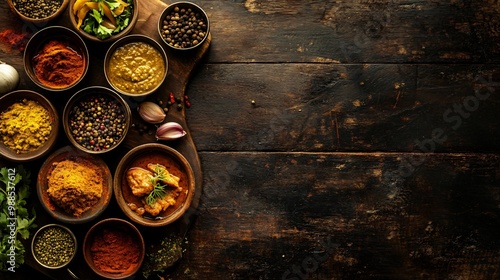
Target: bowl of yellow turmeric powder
29	125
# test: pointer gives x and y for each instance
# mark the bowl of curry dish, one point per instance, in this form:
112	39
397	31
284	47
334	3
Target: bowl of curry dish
135	65
29	126
73	186
154	184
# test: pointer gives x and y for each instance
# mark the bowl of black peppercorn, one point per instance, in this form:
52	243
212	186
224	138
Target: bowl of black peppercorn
38	12
183	26
96	119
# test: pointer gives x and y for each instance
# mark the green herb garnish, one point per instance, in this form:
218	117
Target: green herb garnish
15	220
95	20
158	189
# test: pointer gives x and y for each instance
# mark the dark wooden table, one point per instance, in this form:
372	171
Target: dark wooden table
342	140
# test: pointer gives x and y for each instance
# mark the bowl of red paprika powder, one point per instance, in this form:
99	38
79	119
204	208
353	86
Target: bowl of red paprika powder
56	58
114	248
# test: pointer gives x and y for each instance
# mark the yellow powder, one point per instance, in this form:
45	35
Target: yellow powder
25	126
75	186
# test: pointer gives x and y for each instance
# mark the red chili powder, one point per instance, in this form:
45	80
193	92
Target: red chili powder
14	40
115	251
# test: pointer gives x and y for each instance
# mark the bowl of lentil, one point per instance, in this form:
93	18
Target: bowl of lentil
114	248
135	65
74	187
36	11
96	119
29	126
154	185
56	58
183	26
53	246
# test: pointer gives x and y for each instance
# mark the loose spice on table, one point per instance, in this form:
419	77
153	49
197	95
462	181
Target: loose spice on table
115	251
75	186
14	40
25	126
59	64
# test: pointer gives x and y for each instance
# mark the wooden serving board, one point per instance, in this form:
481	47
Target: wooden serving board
181	65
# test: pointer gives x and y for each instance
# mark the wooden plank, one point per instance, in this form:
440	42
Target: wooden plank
348	219
309	107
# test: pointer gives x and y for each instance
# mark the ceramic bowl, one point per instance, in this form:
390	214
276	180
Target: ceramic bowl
17	96
17	7
111	124
175	163
114	229
47	75
119	69
178	9
91	37
41	236
69	153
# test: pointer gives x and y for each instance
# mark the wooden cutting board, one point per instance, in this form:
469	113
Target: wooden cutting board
181	65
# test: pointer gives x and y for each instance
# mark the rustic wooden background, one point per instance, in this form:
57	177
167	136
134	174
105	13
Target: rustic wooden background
371	151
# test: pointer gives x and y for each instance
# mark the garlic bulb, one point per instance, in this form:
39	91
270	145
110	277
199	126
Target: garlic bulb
170	131
151	112
9	78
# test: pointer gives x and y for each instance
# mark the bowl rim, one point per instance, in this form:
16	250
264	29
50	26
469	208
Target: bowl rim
49	144
132	38
117	186
84	92
101	224
54	31
171	6
53	16
42	182
121	34
59	226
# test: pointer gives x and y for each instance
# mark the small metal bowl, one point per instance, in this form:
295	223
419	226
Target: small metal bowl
65	35
38	21
132	69
176	164
38	237
16	96
119	226
93	38
171	9
87	93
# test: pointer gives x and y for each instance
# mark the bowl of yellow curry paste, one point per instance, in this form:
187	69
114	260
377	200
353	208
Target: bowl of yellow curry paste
73	186
56	58
135	65
29	126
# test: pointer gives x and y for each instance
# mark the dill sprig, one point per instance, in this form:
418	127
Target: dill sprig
158	189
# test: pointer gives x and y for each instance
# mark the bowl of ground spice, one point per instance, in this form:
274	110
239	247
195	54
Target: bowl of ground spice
96	119
135	65
53	246
183	26
154	185
38	12
56	58
114	248
29	125
73	186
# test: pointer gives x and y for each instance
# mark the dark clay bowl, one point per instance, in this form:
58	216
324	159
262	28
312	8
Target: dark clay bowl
66	36
37	237
118	226
152	153
16	96
71	153
38	21
92	38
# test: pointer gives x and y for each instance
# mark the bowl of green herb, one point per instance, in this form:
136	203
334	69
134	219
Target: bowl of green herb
154	184
103	20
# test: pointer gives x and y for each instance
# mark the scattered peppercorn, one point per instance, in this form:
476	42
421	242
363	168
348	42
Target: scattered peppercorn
54	246
179	106
37	9
184	28
97	122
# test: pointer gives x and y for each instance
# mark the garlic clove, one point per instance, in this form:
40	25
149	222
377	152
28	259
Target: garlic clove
170	131
151	112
